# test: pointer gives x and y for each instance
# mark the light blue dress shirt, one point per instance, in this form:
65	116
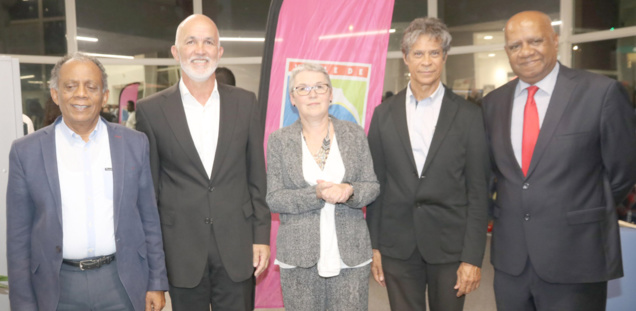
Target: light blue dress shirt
86	185
421	118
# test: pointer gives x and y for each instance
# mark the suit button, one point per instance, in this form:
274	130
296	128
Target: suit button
525	186
423	176
526	217
210	188
208	220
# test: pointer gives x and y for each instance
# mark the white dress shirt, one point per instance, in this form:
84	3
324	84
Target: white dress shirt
203	123
86	185
541	98
421	118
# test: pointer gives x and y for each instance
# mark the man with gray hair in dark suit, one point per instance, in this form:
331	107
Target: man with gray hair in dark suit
428	226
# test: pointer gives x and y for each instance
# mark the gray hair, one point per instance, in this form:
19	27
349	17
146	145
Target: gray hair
55	72
307	67
431	26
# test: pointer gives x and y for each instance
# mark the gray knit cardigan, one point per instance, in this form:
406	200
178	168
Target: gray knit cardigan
298	241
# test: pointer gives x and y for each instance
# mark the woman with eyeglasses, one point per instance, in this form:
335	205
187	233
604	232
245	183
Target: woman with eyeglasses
320	175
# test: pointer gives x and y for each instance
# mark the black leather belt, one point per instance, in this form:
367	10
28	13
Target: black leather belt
92	263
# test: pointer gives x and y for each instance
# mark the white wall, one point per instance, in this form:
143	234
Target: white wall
11	128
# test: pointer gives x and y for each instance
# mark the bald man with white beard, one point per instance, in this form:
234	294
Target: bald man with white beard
208	168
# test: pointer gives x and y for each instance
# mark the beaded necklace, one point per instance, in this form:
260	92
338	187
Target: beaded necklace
321	155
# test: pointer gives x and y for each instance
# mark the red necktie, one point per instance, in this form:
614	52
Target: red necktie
530	129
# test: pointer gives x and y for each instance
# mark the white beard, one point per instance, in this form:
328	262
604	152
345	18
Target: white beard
196	76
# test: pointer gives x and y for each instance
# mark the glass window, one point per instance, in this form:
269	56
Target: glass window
142	29
37	103
28	29
149	80
396	76
482	22
404	12
613	58
592	15
472	76
247	76
239	19
35	93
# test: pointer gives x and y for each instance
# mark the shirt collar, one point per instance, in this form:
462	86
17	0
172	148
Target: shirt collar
438	92
72	137
546	84
183	89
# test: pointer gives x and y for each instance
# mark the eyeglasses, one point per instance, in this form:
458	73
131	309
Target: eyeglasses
305	90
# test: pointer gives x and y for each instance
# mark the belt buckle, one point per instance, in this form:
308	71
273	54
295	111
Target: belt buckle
88	263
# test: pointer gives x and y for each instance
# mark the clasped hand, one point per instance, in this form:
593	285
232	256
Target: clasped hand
333	193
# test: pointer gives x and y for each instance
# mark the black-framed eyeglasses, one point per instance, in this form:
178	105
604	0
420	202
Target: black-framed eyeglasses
305	90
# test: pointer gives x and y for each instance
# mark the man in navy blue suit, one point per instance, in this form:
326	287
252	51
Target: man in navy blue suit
83	228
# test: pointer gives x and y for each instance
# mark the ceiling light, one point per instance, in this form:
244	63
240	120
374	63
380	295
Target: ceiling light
241	39
488	37
87	39
27	77
110	56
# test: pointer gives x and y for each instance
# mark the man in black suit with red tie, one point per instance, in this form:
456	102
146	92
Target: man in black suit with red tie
563	149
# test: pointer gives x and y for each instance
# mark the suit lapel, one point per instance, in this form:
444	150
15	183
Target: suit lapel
558	102
118	160
175	114
228	117
398	114
49	156
446	115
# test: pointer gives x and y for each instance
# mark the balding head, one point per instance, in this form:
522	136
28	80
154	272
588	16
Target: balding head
195	19
197	48
531	45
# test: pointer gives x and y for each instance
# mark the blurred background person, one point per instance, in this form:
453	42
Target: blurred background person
51	112
131	123
224	75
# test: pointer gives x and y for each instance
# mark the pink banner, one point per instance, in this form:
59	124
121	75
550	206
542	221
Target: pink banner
350	39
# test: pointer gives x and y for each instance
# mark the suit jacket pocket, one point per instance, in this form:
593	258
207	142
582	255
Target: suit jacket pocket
586	215
573	135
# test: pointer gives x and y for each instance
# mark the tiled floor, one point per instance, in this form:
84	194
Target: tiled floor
483	299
